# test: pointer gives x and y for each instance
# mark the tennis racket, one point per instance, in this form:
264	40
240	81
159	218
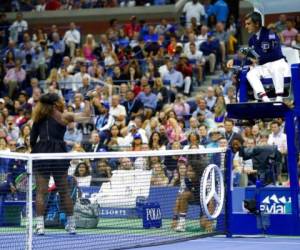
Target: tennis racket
21	183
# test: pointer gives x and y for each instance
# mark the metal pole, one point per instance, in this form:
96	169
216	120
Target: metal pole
29	206
292	164
243	85
228	192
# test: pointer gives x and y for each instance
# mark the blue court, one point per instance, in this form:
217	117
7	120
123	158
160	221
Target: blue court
213	243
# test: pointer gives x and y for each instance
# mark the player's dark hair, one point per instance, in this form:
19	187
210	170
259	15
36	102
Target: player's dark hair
255	18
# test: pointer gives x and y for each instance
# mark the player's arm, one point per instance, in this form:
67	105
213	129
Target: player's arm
34	133
83	116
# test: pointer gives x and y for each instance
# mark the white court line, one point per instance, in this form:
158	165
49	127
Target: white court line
248	241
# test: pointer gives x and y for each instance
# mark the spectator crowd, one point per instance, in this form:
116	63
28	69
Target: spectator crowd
51	5
141	79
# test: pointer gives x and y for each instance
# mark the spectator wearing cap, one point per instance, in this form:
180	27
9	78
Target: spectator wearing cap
104	121
137	144
202	108
214	136
193	9
118	111
72	136
134	106
148	98
132	130
210	49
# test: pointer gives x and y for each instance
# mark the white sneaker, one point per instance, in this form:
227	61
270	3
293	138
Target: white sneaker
39	230
70	228
279	99
180	227
265	99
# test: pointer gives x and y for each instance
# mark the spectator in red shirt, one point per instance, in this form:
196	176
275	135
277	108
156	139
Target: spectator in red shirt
186	69
130	28
53	5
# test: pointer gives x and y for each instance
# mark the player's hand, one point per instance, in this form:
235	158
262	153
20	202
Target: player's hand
230	63
13	189
254	61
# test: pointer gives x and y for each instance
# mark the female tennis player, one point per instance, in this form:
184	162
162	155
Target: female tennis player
47	136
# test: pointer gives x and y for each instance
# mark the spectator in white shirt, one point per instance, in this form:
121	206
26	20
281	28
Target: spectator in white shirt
83	175
41	6
118	111
72	39
18	28
77	79
193	9
278	138
192	39
197	60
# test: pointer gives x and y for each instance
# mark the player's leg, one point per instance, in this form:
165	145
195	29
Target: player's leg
204	221
61	182
184	199
42	180
253	77
175	216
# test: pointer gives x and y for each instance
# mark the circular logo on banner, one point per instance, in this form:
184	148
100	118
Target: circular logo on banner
212	191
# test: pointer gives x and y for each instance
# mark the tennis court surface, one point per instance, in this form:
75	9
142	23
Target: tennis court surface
236	243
